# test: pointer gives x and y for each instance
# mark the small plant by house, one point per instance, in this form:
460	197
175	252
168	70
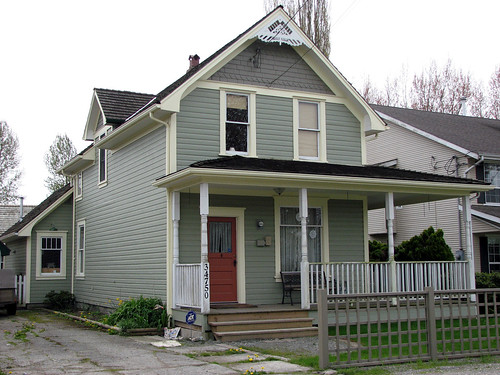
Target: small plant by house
60	301
487	280
140	313
428	246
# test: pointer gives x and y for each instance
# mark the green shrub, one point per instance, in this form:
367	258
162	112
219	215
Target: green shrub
427	246
378	251
140	313
488	280
62	301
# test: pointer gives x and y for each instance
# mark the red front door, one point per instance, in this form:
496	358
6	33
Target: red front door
222	258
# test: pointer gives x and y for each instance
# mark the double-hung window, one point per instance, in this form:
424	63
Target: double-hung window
79	185
309	130
492	176
80	249
291	237
494	253
238	133
237	123
51	254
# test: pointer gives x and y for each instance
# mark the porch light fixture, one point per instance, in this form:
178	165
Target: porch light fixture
260	223
279	190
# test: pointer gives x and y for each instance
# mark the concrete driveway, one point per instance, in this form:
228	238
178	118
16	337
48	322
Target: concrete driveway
43	343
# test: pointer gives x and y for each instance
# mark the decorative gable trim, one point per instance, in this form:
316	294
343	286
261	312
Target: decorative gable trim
281	31
93	117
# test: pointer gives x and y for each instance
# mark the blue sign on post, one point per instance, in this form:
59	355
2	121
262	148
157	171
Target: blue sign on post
190	317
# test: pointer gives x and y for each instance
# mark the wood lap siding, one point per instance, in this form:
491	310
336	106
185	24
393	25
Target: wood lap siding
16	261
198	126
125	225
60	218
346	231
343	136
280	68
274	127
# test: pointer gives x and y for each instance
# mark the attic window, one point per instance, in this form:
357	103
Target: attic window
237	123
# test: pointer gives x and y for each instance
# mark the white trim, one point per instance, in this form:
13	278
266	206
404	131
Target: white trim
79	224
239	214
488	217
47	276
313	202
429	136
28	269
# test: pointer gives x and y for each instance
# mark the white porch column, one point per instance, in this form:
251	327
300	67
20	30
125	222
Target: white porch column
304	263
389	217
468	241
176	216
205	271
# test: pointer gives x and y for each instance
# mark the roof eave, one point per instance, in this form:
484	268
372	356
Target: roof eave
192	176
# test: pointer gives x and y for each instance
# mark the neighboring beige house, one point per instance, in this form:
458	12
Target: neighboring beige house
452	145
9	215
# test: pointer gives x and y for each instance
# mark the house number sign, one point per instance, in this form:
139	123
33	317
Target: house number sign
206	289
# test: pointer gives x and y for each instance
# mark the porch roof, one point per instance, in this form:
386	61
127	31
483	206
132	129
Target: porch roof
243	173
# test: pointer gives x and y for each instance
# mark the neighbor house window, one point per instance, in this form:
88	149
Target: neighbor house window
51	254
494	254
79	185
291	237
238	123
80	249
309	125
492	176
2	262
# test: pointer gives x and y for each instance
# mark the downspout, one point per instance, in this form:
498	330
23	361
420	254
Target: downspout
73	255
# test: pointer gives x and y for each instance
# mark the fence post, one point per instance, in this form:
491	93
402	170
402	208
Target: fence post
431	322
324	358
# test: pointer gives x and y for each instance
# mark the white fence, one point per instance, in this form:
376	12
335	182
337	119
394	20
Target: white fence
372	278
21	289
188	285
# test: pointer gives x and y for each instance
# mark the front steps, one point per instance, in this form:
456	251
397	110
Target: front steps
233	326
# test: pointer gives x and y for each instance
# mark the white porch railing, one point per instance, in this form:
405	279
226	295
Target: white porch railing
188	285
364	277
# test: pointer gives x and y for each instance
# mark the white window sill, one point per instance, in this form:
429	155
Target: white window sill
50	277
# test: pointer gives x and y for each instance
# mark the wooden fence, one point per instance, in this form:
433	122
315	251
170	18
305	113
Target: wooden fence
403	327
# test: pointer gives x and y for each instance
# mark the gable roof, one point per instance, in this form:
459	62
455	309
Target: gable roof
37	213
474	135
169	98
118	106
490	213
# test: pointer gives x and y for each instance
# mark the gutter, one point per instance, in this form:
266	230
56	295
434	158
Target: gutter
481	159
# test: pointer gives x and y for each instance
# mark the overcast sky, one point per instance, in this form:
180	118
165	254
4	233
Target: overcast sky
53	53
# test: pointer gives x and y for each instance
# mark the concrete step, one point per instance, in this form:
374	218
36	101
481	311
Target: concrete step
257	315
261	324
266	334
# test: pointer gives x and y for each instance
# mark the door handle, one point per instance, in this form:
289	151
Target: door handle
234	262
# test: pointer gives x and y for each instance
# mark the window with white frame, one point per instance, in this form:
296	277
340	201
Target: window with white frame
237	123
492	176
237	127
291	237
309	129
103	173
51	254
79	185
494	253
80	249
